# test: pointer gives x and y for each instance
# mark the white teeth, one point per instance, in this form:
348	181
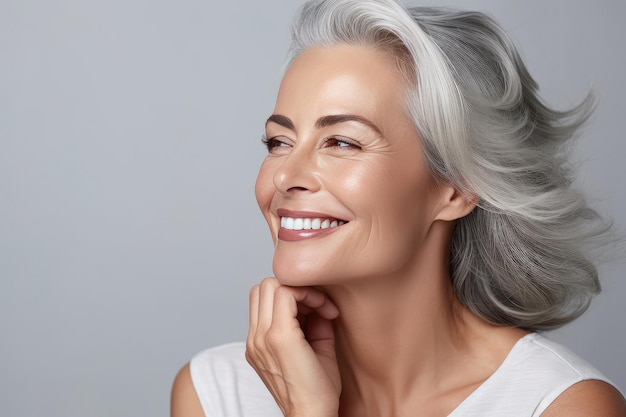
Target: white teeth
299	223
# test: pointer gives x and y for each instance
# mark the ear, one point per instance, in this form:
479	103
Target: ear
454	204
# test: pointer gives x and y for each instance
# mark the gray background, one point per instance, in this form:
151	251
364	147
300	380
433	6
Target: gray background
129	145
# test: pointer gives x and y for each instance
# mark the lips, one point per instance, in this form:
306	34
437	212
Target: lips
299	225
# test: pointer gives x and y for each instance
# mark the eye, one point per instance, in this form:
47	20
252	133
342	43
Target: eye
340	142
273	143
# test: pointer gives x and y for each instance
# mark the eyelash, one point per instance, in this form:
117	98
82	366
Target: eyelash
272	143
339	139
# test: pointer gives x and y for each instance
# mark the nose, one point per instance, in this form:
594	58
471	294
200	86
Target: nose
297	172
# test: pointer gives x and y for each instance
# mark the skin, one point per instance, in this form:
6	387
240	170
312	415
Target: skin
320	336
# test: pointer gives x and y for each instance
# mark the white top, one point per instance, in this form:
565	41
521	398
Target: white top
534	374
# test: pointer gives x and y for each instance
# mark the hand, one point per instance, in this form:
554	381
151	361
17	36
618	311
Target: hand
291	345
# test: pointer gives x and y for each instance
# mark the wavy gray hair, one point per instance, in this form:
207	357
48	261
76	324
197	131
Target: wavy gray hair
521	258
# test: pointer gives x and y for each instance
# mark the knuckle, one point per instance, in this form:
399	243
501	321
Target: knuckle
257	343
269	282
250	347
274	338
249	357
254	291
283	291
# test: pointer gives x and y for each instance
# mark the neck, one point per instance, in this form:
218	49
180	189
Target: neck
405	339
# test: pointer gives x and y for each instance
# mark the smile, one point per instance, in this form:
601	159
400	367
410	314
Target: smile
314	223
302	225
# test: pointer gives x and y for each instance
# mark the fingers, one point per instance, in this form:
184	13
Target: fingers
299	370
254	307
270	299
267	289
320	330
316	300
290	301
277	313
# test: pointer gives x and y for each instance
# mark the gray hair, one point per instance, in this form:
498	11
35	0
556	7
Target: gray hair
522	257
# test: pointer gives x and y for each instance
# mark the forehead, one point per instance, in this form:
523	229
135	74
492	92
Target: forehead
344	78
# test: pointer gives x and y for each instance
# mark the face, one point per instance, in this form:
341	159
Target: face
344	187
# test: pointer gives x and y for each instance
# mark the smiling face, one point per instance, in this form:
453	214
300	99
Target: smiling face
345	188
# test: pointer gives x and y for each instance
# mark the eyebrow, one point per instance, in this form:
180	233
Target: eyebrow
281	120
324	121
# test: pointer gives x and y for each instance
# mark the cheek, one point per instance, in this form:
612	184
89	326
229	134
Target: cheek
396	207
385	194
264	188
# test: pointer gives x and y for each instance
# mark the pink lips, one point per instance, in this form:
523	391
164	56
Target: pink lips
289	235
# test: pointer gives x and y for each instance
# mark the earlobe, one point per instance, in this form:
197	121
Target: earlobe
455	204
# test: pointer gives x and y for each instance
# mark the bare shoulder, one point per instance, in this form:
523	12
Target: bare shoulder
591	398
184	401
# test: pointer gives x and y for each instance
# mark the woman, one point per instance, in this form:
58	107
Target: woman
424	227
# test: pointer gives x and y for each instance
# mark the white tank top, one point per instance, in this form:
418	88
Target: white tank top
534	374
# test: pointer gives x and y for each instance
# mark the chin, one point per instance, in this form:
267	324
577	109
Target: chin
298	273
293	277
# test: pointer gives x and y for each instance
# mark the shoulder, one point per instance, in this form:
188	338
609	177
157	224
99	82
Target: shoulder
590	398
220	382
197	376
219	363
555	362
542	377
184	401
575	387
